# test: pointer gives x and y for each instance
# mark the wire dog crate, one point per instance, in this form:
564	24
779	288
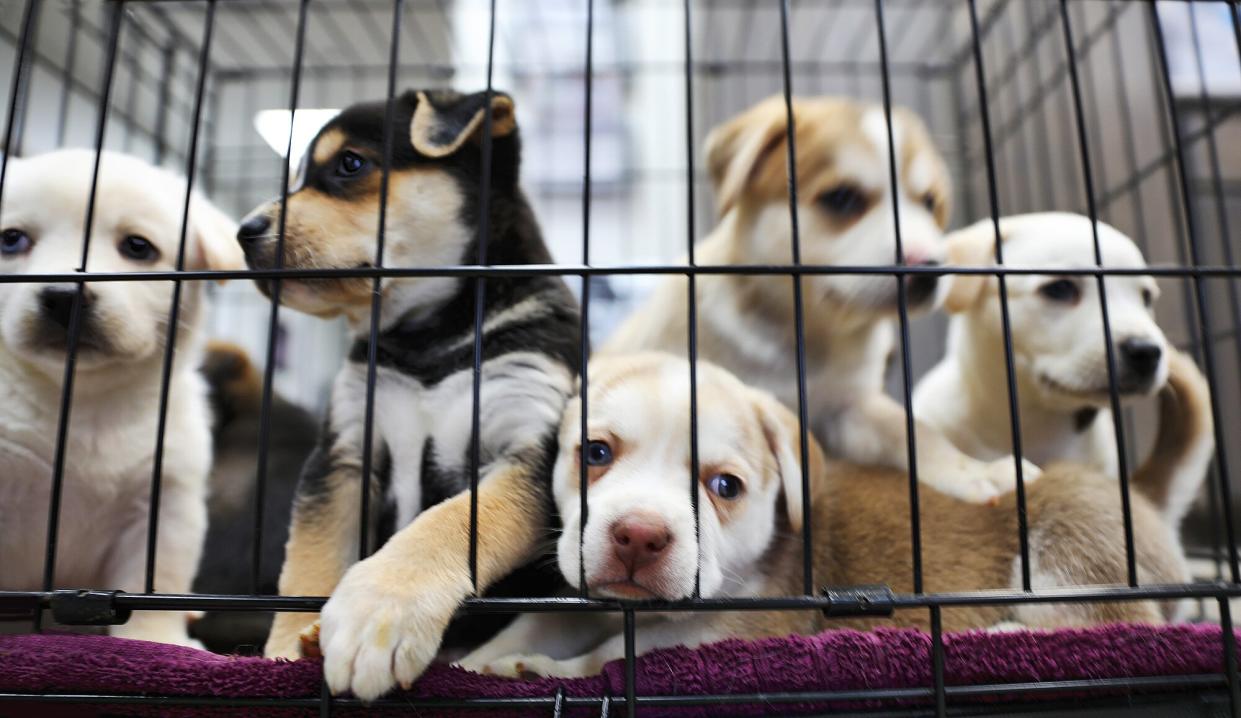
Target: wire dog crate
1127	111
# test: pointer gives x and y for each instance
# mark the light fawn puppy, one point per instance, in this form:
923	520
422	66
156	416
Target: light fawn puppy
640	540
1060	358
746	322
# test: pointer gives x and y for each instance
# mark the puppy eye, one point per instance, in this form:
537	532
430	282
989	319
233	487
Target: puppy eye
350	164
1061	290
14	241
1148	298
928	201
598	453
725	486
845	201
138	248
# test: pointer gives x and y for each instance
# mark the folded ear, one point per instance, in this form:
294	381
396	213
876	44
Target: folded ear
783	435
215	236
444	121
739	150
973	246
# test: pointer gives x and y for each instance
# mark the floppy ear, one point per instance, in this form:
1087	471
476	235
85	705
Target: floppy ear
780	429
737	150
215	236
443	121
973	246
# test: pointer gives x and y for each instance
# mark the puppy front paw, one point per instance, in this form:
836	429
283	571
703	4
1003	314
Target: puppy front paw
382	627
528	666
987	482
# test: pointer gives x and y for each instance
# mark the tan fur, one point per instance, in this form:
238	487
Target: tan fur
328	144
503	122
861	533
1185	420
322	545
970	247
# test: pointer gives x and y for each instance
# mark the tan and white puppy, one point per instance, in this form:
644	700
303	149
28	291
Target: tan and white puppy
746	323
112	428
1059	355
640	542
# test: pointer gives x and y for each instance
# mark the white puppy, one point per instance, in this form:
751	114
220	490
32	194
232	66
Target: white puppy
1059	356
640	540
747	323
112	428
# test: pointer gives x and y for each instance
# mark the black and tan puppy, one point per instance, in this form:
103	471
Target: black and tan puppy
387	614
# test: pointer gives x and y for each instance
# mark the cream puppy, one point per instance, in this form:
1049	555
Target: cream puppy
112	428
640	540
747	323
1059	357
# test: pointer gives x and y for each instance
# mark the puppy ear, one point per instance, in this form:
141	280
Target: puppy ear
443	121
783	435
973	246
215	236
738	149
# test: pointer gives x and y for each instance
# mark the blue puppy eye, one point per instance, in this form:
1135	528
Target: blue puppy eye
725	486
350	164
598	453
14	241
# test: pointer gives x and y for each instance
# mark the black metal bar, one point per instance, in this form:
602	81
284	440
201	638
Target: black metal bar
21	74
325	700
15	93
1230	657
116	12
536	270
583	472
273	318
799	322
484	235
66	75
1014	416
372	346
691	294
911	442
174	314
1092	210
631	681
1204	311
937	661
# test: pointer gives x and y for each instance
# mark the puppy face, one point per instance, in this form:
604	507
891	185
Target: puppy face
136	228
1057	322
639	534
845	195
332	215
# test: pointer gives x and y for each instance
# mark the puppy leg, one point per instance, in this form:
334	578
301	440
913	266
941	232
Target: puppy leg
559	635
873	432
385	620
323	543
178	547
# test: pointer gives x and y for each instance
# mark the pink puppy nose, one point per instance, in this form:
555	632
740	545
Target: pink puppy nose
639	542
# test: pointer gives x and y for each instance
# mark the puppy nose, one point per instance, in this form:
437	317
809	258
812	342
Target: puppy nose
922	286
1141	355
639	543
57	303
254	228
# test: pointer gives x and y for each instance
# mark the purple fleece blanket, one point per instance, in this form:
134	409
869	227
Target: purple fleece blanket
838	660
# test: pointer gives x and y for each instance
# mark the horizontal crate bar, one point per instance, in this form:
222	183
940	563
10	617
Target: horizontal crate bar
578	270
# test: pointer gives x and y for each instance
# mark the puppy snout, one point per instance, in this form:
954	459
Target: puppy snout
639	542
56	303
253	229
921	286
1141	356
